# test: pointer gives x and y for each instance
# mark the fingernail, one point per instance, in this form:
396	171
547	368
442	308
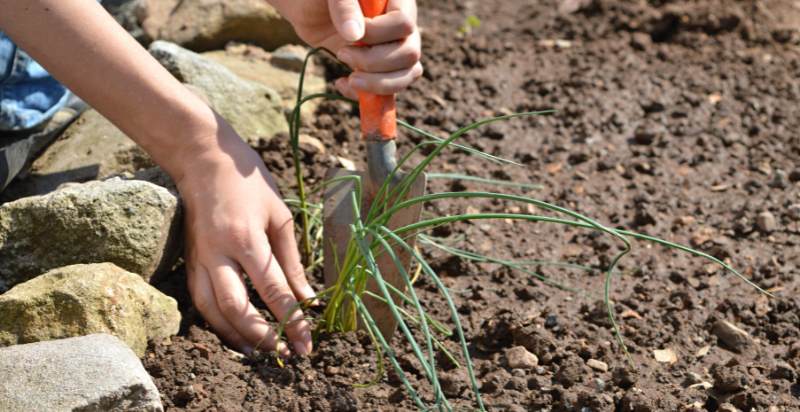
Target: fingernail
346	58
300	348
247	350
358	83
352	30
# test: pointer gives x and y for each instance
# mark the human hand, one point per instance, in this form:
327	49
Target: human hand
390	63
237	225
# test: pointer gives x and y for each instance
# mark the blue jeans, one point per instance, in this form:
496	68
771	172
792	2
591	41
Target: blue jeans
29	96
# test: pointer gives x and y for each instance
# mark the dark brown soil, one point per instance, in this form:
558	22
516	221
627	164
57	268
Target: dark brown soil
675	118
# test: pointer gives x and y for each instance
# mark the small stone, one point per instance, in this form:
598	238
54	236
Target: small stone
570	372
793	212
88	373
765	222
597	365
779	180
290	57
729	379
623	377
794	176
520	358
310	144
731	336
727	407
646	134
599	384
346	163
332	370
783	370
665	355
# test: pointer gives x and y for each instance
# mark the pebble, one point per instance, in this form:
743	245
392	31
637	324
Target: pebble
794	211
597	365
520	358
310	144
765	222
731	336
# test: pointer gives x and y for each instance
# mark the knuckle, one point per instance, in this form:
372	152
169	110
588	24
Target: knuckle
273	293
406	25
231	304
412	56
202	304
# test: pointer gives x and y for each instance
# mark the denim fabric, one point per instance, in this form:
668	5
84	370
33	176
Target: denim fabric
29	96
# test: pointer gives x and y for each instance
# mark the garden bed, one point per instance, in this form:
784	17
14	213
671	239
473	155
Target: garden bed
678	120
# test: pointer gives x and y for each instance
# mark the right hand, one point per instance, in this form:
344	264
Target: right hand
237	225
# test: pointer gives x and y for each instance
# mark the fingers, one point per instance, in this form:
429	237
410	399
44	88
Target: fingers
231	298
347	18
284	246
343	86
383	58
392	26
236	320
203	298
385	83
271	284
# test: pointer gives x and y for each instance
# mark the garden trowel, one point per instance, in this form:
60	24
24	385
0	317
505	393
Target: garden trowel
379	130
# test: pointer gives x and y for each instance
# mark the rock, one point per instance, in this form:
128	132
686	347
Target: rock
210	24
727	407
783	370
731	336
597	365
126	13
253	109
793	211
88	373
257	65
130	223
311	145
290	57
91	148
729	379
519	358
623	377
665	355
84	299
570	372
765	222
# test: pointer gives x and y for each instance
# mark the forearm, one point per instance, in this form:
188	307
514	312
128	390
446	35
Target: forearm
84	48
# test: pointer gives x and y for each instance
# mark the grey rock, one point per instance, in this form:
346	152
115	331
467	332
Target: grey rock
794	211
731	336
210	24
765	222
519	358
280	71
254	110
84	299
597	365
133	224
89	373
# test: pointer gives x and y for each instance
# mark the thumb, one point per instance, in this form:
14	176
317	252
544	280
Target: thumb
347	18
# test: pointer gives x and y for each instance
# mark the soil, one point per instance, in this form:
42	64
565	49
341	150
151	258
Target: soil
674	118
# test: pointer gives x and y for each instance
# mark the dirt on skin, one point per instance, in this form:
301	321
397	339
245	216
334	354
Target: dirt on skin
678	119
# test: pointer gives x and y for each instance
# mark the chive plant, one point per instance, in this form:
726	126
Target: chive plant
370	237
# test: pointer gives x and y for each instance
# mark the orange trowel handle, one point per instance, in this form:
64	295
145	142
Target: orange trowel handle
378	112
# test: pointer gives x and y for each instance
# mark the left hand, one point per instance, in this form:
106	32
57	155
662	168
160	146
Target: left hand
388	65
